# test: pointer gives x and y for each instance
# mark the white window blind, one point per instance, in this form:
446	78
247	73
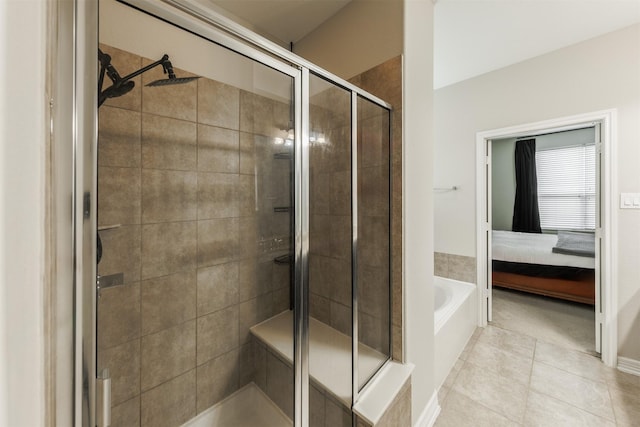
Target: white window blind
567	188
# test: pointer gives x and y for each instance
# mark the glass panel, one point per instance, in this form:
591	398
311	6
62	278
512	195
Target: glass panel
373	239
195	220
330	297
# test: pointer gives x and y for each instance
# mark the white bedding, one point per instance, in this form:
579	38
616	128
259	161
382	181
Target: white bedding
533	248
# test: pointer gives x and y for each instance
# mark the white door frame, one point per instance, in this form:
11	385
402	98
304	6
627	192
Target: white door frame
608	197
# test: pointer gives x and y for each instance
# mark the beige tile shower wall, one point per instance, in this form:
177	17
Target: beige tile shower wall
398	414
385	82
457	267
330	206
188	174
374	226
275	377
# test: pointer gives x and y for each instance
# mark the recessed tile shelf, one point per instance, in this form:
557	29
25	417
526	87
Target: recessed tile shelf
329	353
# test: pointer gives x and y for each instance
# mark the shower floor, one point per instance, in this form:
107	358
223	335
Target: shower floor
248	407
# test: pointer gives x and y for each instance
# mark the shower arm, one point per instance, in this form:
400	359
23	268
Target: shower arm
112	73
122	85
166	67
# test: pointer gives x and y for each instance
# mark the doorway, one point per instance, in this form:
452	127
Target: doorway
600	124
537	291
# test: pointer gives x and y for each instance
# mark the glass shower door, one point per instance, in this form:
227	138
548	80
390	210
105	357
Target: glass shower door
374	237
330	257
195	213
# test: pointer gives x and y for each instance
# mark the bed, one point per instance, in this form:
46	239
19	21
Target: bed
528	262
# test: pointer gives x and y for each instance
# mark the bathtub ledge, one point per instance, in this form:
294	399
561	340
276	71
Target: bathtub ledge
381	391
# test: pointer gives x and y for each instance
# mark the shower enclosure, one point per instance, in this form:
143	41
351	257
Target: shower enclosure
244	226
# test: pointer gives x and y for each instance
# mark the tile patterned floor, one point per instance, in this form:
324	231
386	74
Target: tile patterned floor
510	378
568	324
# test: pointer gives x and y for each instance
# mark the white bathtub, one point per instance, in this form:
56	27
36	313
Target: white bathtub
455	318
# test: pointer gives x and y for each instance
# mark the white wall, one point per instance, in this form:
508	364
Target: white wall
418	140
516	31
22	212
598	74
363	34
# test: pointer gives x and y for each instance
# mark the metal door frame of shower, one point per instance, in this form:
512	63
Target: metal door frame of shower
220	30
85	137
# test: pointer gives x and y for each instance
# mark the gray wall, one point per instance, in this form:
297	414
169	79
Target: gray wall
350	42
503	183
503	174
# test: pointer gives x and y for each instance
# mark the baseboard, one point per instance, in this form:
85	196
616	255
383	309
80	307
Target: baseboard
430	413
630	366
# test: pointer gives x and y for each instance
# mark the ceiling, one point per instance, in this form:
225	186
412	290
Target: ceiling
473	37
282	21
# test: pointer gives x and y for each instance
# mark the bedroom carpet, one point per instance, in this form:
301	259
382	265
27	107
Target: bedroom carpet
570	325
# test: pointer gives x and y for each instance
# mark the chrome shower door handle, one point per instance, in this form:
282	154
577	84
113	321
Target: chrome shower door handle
103	399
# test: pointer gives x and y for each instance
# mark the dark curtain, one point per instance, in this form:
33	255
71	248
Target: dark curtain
526	216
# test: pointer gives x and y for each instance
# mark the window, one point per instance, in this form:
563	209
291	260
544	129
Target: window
567	187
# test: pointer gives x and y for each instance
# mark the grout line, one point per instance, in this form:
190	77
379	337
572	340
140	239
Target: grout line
166	381
589	378
455	378
613	410
140	267
197	169
480	404
577	407
513	331
526	402
570	403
